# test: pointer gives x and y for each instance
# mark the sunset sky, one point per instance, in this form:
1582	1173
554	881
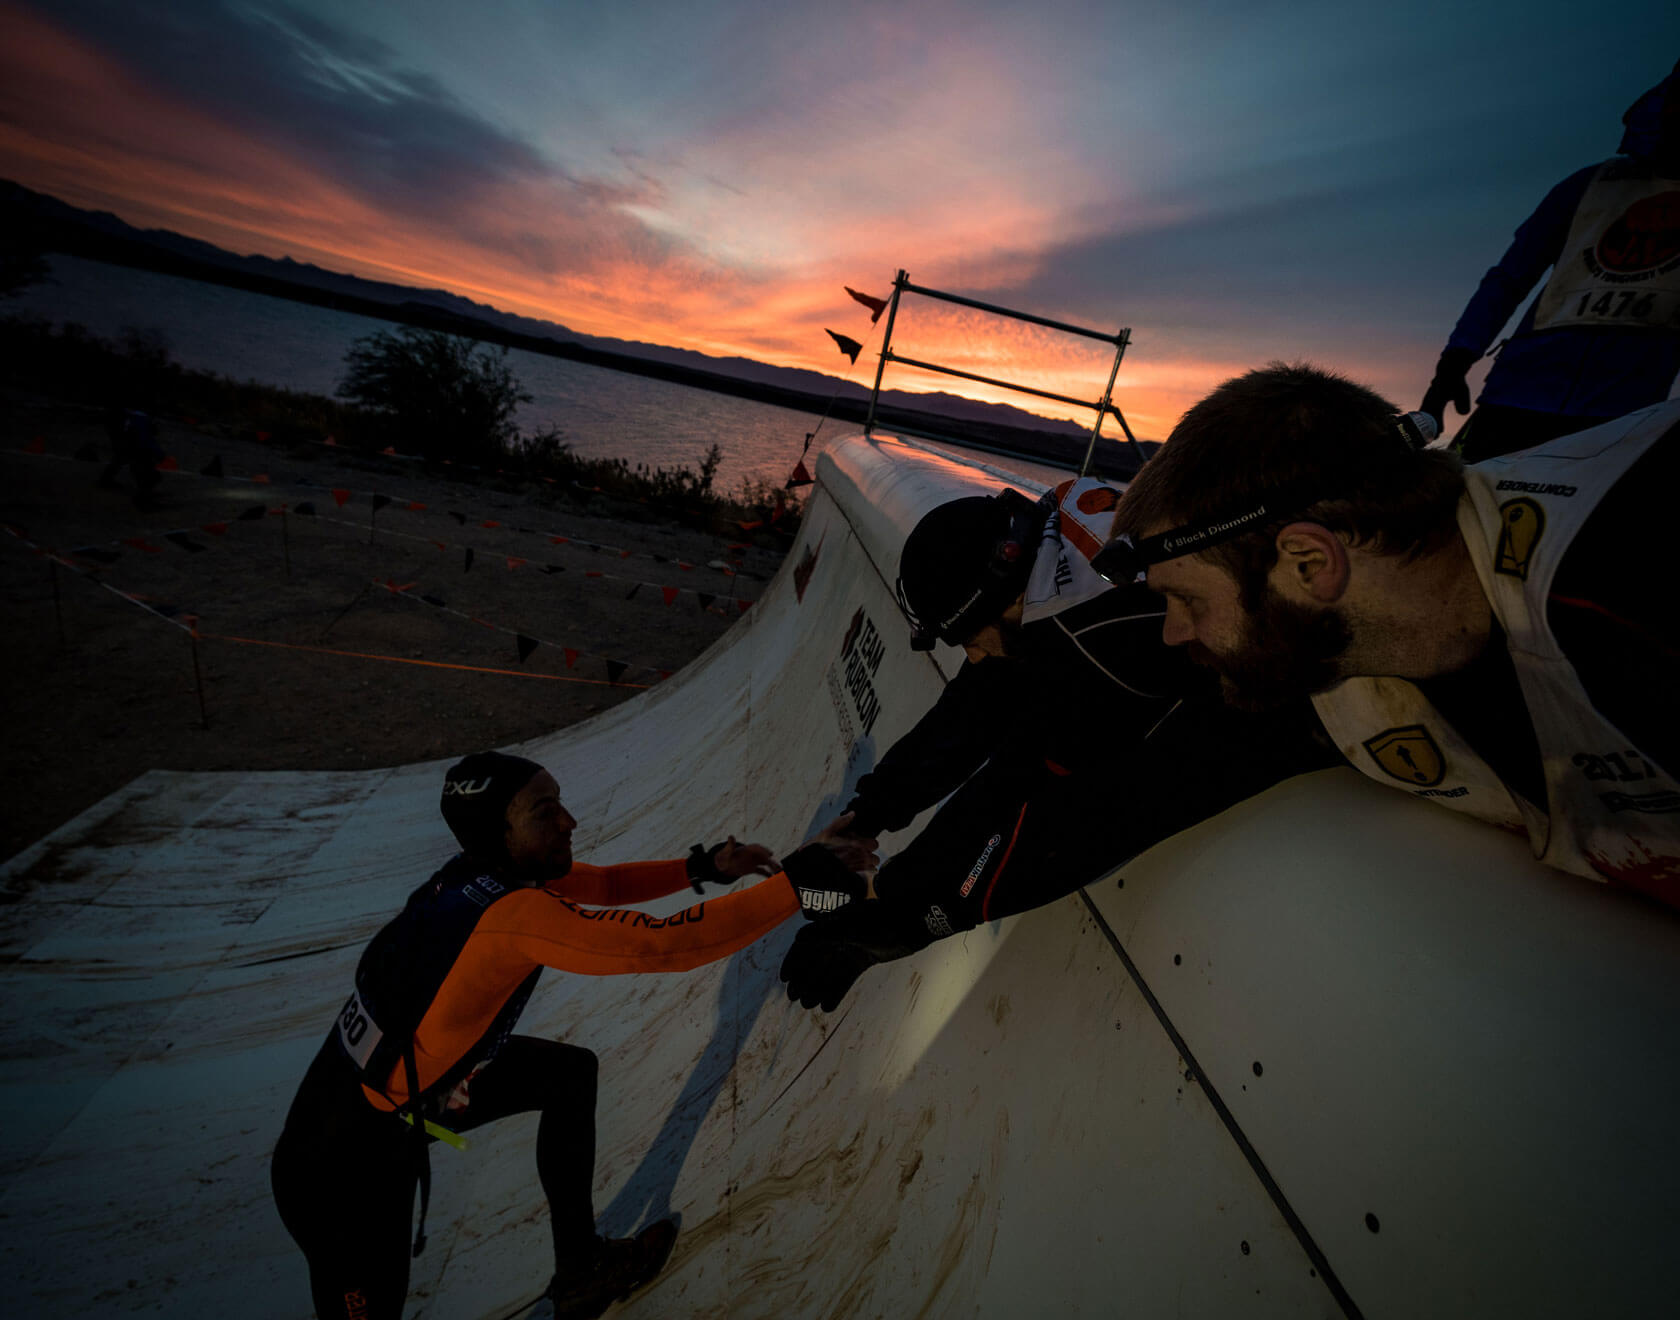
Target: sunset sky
1236	182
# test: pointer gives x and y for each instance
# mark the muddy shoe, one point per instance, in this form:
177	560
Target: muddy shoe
621	1266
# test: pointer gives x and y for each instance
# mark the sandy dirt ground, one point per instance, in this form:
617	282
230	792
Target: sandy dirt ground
99	689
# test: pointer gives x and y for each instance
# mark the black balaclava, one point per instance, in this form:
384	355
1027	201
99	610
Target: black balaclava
476	793
966	561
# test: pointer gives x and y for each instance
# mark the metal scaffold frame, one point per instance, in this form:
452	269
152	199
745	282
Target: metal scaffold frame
1103	407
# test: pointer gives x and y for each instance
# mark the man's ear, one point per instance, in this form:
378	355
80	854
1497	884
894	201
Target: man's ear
1312	563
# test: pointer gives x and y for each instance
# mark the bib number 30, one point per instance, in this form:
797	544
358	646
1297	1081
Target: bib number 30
357	1031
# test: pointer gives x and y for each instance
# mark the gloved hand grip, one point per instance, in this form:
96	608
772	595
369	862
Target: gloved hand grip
827	957
1449	385
821	880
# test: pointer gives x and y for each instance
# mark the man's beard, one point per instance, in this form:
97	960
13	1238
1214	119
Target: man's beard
1286	652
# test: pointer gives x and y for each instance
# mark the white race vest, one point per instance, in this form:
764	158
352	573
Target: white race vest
1620	266
1062	575
1612	811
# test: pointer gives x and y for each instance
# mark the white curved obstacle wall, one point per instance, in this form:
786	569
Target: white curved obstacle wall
1466	1063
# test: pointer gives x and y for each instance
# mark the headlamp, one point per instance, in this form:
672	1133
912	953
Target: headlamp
1127	558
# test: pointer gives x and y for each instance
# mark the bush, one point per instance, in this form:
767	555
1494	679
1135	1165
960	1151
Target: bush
21	264
442	396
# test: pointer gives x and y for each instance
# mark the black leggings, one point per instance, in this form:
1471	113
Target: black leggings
344	1173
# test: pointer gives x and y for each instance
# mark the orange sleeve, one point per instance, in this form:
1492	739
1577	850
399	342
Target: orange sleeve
628	882
537	927
557	932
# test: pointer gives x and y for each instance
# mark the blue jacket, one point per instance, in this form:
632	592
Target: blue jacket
1578	371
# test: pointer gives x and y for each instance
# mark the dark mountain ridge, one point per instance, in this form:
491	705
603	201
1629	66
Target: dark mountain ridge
37	220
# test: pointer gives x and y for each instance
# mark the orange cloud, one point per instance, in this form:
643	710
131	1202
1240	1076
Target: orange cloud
684	263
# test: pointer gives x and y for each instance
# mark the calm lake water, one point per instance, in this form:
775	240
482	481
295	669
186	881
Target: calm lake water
603	413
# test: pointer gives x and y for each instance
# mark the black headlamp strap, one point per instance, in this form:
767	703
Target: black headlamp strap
1125	558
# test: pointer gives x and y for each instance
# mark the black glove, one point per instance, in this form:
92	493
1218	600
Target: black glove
701	864
827	957
1449	385
821	880
866	823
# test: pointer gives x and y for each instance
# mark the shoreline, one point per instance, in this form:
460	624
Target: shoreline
73	236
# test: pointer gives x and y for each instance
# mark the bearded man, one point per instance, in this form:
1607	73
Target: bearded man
1499	639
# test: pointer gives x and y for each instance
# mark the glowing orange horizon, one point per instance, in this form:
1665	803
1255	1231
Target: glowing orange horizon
81	127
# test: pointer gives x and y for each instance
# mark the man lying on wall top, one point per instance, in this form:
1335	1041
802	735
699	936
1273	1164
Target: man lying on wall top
1066	677
1499	639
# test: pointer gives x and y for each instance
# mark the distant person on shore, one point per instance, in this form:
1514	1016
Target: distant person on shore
134	445
424	1049
1603	337
1500	640
1066	675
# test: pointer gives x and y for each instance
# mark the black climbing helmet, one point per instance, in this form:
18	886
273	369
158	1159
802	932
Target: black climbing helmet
965	563
476	793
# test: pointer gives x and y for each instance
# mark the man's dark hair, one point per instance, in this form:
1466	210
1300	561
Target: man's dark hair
1293	427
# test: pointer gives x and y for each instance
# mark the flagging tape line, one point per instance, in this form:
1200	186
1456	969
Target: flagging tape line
188	624
189	628
520	561
443	1134
404	660
433	603
409	505
181	538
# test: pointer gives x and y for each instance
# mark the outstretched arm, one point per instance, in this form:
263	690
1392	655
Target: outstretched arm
1014	839
637	882
959	731
542	928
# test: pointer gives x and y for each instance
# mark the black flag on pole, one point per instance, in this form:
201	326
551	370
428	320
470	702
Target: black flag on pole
850	347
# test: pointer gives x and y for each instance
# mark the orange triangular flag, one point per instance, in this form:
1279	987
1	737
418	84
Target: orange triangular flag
670	594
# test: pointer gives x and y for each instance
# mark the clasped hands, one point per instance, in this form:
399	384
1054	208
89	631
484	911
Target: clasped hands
854	853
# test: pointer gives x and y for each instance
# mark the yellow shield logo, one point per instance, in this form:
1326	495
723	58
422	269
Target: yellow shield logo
1409	754
1520	524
